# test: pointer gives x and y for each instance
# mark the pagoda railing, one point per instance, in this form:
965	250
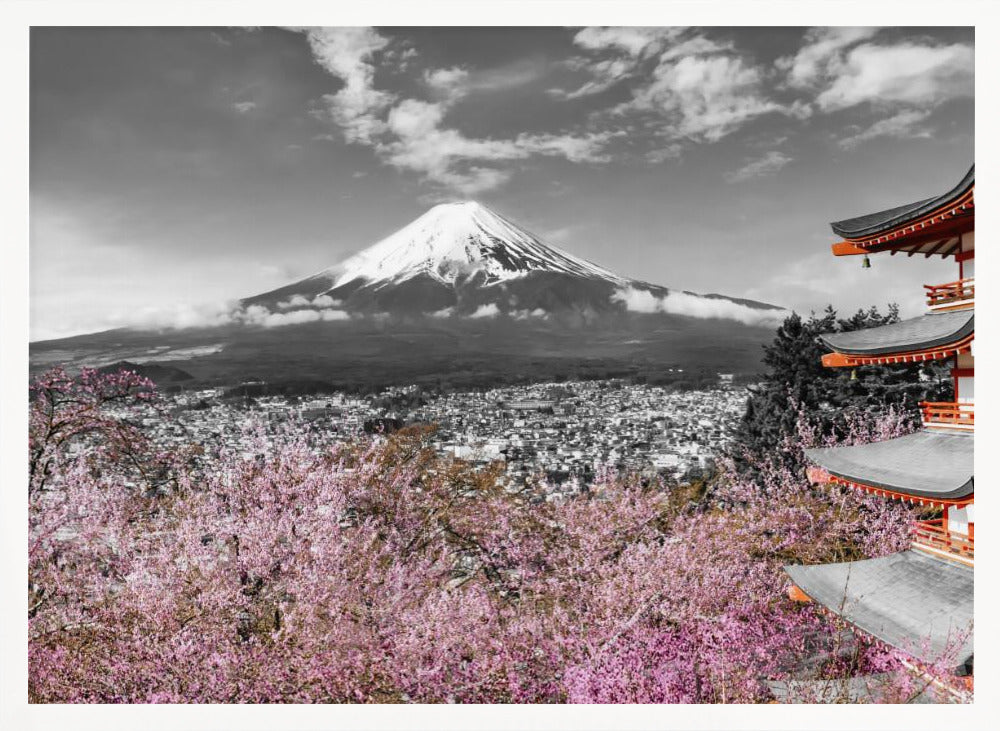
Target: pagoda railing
934	537
948	414
961	293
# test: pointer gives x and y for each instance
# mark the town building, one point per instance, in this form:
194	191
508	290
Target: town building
919	600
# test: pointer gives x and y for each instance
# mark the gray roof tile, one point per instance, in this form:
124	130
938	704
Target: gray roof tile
923	464
927	331
914	602
875	223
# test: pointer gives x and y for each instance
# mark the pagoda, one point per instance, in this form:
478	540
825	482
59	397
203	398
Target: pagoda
919	600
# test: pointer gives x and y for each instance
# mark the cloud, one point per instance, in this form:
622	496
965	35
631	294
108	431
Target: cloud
490	310
905	124
606	73
244	107
821	53
906	73
638	300
812	281
446	312
697	85
219	314
410	134
845	68
178	317
705	98
348	54
445	156
691	305
769	164
450	83
629	48
259	316
325	300
633	41
296	300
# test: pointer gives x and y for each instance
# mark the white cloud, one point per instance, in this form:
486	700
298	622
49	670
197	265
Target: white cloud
634	41
606	73
490	310
296	300
705	98
769	164
410	134
443	156
682	303
446	312
638	300
450	83
821	53
244	107
347	53
845	67
906	73
698	86
262	317
811	282
905	124
325	300
630	47
177	317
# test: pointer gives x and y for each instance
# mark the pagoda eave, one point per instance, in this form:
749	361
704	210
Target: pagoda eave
894	494
911	601
845	360
929	466
893	224
929	337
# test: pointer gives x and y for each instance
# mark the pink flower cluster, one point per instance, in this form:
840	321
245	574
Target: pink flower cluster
379	572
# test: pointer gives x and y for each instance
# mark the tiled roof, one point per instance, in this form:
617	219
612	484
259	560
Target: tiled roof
923	464
914	602
927	331
874	223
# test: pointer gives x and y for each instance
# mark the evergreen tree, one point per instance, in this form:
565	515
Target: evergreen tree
796	381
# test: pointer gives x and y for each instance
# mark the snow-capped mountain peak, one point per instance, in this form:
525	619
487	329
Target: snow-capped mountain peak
453	241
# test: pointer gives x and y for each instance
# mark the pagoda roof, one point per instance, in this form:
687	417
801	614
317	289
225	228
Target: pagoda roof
882	221
929	226
926	464
914	602
929	332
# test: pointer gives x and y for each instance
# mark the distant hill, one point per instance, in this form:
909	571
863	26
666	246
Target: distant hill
161	375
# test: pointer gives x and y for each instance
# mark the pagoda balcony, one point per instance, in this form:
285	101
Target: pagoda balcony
953	295
948	415
933	537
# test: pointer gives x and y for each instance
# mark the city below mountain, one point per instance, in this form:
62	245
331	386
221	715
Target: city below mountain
462	295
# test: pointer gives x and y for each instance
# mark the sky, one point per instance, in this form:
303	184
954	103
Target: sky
175	170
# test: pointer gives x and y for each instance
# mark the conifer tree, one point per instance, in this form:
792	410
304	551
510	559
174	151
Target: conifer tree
797	384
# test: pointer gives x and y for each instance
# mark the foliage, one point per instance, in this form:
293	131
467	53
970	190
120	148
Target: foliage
379	572
797	384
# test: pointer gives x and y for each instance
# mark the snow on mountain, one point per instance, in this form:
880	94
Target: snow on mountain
466	260
453	241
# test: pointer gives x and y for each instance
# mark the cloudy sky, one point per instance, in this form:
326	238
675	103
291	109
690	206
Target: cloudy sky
173	169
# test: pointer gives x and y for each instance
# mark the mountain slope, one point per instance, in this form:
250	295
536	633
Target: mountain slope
461	293
457	259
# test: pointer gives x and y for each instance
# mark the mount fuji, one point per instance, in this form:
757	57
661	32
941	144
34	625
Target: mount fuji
462	292
464	258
